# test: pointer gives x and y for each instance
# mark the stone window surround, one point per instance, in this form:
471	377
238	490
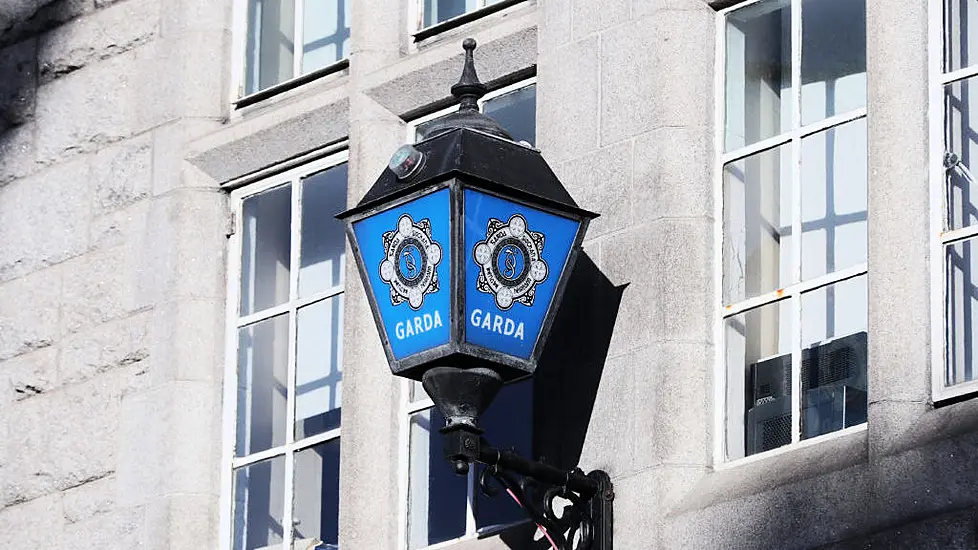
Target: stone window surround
292	446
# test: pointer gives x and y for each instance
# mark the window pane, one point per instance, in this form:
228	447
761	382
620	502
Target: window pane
436	11
322	260
833	369
437	497
259	492
509	422
961	49
960	152
318	368
271	25
317	496
757	224
758	73
833	199
325	33
961	310
265	249
516	112
758	360
833	58
263	356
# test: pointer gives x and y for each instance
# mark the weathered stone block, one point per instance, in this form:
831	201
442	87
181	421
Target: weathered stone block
643	87
43	219
589	16
555	23
30	312
16	152
568	99
610	441
33	525
97	36
170	147
120	529
188	340
100	287
92	499
122	174
122	343
120	227
671	174
602	182
30	374
18	87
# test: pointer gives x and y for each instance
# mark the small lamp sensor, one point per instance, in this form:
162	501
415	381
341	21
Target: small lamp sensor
406	161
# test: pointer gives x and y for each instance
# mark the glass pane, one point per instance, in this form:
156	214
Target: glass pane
263	357
509	420
318	367
516	112
437	497
317	496
325	33
833	58
259	503
833	367
268	60
960	17
961	311
322	258
436	11
265	249
758	360
757	224
417	392
960	150
833	199
758	73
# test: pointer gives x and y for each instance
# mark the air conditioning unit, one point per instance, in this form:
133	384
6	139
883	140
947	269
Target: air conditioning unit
833	385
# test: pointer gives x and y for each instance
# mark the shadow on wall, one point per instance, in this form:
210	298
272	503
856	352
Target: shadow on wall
567	377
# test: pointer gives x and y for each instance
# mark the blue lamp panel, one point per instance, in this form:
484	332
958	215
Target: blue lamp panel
514	258
407	254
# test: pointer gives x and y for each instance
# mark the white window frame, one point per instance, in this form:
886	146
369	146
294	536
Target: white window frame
416	14
229	462
793	292
239	54
409	408
940	237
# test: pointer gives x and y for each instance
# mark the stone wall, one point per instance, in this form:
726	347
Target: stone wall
111	274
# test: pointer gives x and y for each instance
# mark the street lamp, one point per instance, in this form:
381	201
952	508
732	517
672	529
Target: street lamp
464	245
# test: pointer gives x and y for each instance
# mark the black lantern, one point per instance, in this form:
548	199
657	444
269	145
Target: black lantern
464	245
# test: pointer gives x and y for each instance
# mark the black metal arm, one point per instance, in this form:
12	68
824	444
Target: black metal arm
585	524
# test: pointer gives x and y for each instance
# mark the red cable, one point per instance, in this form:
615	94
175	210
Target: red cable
553	545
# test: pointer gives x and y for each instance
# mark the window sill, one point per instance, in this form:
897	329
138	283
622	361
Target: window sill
460	20
292	84
955	394
478	540
763	472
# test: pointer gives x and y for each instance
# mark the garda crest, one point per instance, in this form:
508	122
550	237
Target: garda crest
411	258
510	262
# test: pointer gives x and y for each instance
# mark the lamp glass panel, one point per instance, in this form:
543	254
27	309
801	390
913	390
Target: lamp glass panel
757	239
833	58
266	239
758	368
259	493
263	356
316	497
319	367
833	200
322	256
758	73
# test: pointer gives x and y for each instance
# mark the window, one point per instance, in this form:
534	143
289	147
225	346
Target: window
286	39
792	310
440	505
956	77
440	15
284	381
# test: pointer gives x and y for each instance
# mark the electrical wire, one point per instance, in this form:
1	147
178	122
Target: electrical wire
553	545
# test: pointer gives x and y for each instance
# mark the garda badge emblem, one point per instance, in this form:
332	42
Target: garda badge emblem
411	258
510	261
